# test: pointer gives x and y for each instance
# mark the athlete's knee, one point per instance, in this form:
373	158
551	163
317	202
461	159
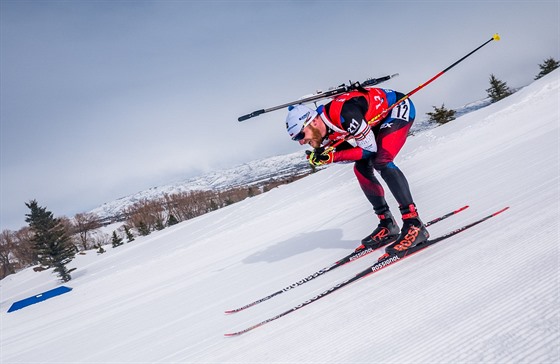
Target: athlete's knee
382	164
367	180
363	169
362	173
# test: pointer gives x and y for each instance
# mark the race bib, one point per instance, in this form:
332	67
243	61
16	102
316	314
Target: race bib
402	111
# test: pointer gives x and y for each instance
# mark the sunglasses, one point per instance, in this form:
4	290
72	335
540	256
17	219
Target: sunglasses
299	136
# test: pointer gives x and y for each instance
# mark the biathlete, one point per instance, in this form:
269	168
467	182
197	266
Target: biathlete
377	145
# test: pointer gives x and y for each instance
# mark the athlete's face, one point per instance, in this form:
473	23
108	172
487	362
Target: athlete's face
313	133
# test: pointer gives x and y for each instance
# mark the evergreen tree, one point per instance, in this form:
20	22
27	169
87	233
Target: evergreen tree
441	115
143	229
50	240
172	220
498	89
548	66
128	234
100	249
116	240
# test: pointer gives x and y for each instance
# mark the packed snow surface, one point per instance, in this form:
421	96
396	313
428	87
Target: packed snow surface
489	294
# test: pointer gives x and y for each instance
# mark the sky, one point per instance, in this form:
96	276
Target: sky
101	99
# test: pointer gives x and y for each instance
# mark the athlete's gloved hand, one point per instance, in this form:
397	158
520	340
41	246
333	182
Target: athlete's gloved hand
319	157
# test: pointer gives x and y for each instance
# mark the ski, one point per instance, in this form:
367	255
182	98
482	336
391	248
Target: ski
384	262
347	259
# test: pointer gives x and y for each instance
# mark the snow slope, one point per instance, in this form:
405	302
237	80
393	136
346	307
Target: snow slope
489	294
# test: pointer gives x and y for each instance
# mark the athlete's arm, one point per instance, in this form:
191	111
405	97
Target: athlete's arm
353	121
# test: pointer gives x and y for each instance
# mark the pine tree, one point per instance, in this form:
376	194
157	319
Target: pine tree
50	240
172	220
549	65
143	229
100	249
128	234
441	115
116	240
498	89
159	225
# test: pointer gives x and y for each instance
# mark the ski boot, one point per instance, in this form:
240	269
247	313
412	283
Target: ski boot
412	233
386	232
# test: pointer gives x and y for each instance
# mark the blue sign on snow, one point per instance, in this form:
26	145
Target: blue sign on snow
39	298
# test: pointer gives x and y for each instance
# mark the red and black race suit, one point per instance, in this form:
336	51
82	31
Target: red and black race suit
376	145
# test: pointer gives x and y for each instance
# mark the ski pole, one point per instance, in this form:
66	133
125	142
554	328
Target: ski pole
372	121
494	37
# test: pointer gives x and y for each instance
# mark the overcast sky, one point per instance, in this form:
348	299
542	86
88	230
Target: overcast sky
101	99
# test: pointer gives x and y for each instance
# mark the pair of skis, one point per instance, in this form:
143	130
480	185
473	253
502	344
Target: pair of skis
383	262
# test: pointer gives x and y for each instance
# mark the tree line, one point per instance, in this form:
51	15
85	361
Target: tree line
49	242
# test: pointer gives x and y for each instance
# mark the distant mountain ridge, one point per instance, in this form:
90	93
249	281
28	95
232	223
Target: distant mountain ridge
254	173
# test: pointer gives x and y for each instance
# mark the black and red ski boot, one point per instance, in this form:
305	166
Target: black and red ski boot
412	233
386	232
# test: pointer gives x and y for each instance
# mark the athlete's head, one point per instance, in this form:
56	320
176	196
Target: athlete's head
305	126
299	116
